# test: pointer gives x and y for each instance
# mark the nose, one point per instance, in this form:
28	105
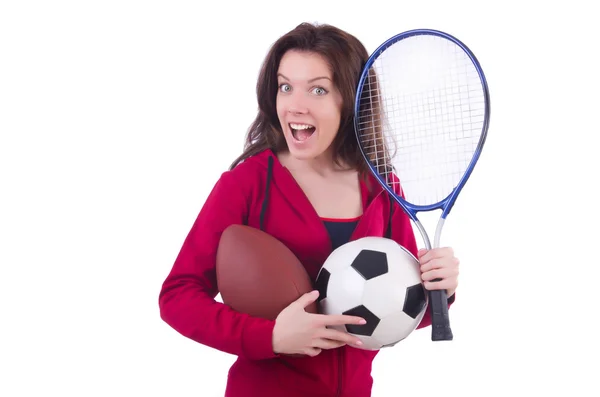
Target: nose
298	111
297	104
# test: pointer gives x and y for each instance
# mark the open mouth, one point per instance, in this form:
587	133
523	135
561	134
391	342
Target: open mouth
301	132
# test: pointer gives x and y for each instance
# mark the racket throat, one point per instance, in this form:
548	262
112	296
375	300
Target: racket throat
425	236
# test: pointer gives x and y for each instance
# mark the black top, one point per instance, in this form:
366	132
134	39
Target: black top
340	230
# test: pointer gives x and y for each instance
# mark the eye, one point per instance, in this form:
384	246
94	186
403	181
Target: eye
320	91
285	87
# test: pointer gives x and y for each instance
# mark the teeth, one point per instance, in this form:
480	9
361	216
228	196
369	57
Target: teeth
301	126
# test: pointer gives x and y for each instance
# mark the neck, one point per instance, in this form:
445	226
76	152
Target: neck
322	165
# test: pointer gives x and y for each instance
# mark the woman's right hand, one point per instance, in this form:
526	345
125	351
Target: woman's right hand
299	332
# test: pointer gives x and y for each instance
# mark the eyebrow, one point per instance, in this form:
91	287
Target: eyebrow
310	81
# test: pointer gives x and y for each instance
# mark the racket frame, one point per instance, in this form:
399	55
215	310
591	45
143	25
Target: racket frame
437	298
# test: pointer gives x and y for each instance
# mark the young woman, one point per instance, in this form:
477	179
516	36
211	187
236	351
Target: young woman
301	179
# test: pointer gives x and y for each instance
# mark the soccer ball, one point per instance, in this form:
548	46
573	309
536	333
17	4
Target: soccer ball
379	280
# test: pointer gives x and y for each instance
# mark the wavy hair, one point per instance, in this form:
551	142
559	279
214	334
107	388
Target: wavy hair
346	57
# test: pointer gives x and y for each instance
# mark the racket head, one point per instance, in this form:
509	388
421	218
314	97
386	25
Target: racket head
372	112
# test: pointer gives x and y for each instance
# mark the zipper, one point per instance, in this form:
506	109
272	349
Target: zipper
340	372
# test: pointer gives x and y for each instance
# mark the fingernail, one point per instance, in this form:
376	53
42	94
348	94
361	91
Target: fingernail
358	343
362	321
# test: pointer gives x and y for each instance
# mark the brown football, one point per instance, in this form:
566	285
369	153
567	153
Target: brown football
257	274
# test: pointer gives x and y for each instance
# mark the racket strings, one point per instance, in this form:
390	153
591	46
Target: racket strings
421	116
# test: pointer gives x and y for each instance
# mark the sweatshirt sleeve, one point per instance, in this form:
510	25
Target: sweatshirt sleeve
186	300
403	234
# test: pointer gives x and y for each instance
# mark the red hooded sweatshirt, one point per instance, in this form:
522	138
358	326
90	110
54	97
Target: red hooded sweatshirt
261	193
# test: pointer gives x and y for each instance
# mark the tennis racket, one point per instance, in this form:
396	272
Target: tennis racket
422	113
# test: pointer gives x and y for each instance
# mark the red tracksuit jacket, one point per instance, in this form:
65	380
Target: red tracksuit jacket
187	302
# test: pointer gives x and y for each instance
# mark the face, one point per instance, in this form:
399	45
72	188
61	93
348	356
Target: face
308	104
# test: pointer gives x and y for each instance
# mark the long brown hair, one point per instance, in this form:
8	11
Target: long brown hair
346	56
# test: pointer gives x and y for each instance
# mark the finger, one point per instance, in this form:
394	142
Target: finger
438	263
339	336
307	298
436	253
431	264
312	351
443	273
322	343
450	283
332	319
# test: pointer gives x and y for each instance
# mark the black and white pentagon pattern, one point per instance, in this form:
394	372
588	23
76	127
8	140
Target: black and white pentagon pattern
378	280
366	329
322	282
344	291
337	261
370	264
415	300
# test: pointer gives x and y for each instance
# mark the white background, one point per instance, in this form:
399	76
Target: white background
117	117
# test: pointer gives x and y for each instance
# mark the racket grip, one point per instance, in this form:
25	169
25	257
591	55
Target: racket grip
440	320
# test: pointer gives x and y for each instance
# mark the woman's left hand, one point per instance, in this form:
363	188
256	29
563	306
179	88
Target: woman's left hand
439	263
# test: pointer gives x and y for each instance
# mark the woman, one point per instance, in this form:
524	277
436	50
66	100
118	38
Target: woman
301	179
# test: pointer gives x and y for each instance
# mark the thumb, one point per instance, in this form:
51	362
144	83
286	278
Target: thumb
308	298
